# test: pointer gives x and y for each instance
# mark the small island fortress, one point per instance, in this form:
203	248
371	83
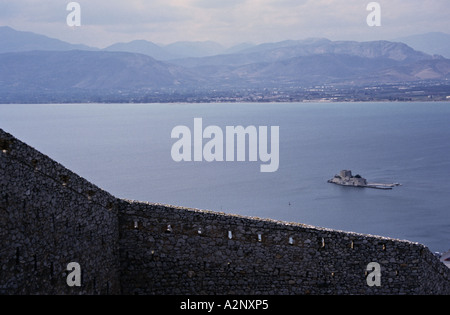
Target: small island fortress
345	178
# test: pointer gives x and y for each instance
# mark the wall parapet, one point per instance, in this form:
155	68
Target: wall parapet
231	254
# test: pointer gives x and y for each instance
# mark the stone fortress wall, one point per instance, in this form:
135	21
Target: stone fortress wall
50	217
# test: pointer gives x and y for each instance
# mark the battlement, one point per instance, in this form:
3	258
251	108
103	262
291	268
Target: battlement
50	217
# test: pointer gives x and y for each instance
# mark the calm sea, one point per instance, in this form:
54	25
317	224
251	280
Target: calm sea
126	150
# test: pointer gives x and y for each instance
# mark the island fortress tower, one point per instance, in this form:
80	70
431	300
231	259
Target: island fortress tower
51	217
345	174
345	177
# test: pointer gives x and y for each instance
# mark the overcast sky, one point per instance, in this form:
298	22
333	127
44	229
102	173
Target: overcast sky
104	22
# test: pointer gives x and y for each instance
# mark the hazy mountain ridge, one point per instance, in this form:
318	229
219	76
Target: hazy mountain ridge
142	47
18	41
274	52
431	43
175	50
88	70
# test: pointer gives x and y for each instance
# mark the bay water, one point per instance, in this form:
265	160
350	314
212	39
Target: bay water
126	150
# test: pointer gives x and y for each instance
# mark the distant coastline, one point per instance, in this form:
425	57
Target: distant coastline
300	95
45	101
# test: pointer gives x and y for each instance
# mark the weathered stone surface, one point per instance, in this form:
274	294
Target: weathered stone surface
50	217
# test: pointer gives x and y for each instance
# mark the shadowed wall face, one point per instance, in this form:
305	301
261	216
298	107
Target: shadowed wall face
50	217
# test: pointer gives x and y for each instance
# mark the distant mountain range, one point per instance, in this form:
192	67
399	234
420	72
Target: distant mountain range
18	41
435	43
32	64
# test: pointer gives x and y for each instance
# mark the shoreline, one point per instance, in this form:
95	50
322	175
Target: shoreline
369	185
222	102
